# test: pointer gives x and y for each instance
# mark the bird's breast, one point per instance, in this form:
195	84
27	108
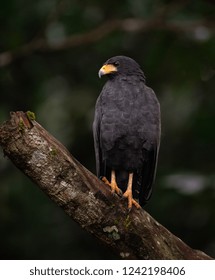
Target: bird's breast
128	114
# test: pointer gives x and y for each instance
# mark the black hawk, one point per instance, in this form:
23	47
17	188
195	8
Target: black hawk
126	131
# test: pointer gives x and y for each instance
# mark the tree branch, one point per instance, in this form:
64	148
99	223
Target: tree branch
158	22
134	235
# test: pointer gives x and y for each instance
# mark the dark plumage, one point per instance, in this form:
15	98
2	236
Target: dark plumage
126	128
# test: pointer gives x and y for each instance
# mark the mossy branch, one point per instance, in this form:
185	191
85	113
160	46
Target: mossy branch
87	200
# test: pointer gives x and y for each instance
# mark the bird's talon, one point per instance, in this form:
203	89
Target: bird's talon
117	190
131	201
136	204
120	193
127	194
113	186
105	180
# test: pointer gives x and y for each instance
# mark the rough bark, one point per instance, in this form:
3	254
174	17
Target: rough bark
87	200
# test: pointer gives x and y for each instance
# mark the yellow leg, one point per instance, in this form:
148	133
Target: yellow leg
128	193
112	184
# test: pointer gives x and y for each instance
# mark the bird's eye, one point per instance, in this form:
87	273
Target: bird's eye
116	63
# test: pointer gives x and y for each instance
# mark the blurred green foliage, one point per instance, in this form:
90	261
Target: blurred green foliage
174	43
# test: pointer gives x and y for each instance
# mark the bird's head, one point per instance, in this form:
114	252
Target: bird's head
120	65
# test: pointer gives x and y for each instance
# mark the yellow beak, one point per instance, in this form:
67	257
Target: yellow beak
107	69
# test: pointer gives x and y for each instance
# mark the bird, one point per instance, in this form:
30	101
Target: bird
126	131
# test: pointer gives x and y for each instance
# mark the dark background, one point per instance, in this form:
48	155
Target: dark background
51	52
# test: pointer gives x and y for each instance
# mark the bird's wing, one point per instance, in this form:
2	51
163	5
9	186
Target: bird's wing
147	176
96	136
150	149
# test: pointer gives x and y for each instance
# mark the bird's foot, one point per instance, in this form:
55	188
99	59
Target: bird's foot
113	186
128	194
